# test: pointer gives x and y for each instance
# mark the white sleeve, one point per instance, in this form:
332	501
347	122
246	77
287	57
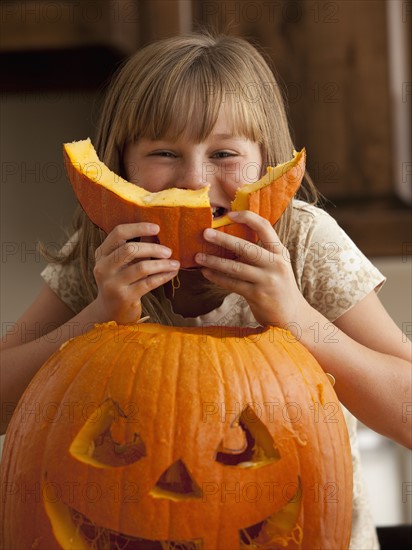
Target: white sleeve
66	280
332	273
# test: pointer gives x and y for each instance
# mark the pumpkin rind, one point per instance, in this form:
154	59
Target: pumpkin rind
182	214
180	389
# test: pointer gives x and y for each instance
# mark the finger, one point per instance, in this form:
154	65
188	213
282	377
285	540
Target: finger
131	251
146	269
154	281
232	268
228	283
265	231
126	232
246	251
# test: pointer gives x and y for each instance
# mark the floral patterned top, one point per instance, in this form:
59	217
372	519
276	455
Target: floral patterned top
332	274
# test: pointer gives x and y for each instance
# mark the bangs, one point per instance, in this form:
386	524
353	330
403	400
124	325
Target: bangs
178	87
189	103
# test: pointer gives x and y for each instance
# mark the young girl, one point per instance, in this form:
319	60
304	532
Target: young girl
192	111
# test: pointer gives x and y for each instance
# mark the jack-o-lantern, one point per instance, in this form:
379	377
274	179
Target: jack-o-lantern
182	214
151	437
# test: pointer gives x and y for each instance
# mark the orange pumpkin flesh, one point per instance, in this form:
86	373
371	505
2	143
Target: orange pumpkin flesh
119	442
182	214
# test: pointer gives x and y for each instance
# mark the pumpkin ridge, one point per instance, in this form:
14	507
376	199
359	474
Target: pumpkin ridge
253	357
272	369
176	348
284	349
148	370
222	370
313	439
329	454
229	373
342	480
290	351
133	380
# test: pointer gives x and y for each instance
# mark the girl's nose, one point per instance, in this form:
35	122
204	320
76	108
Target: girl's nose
194	176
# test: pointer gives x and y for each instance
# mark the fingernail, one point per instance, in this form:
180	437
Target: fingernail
174	263
209	233
166	252
200	257
233	214
153	227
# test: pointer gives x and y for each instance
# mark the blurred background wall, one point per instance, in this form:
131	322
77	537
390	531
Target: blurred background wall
344	68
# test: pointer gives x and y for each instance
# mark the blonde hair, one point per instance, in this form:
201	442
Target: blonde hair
176	86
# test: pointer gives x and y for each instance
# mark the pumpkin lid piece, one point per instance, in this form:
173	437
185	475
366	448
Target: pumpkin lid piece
182	214
83	158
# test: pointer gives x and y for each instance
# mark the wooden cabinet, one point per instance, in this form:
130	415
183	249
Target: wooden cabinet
42	25
71	44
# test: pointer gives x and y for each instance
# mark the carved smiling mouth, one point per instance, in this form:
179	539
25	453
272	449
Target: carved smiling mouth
275	532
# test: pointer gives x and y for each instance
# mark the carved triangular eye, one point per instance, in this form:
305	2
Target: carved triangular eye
176	483
103	442
259	449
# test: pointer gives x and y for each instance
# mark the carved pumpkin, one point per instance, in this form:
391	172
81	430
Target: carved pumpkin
182	214
156	437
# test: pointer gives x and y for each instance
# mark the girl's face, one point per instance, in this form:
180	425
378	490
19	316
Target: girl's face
223	161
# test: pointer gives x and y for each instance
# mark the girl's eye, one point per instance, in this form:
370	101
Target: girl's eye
224	154
166	154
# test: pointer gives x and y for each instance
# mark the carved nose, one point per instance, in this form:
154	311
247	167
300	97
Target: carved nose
176	483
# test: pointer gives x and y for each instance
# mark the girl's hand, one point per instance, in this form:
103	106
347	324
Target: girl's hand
263	275
125	271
